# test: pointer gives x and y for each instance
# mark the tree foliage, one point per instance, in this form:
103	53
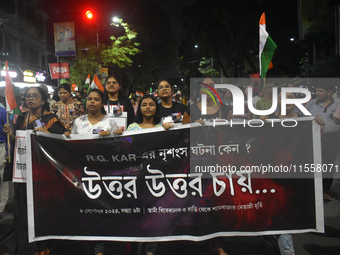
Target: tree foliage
206	67
117	55
122	48
158	45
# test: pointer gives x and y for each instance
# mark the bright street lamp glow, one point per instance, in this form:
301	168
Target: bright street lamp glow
115	19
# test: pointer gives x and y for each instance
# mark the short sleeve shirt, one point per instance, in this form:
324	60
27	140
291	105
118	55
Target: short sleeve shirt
83	126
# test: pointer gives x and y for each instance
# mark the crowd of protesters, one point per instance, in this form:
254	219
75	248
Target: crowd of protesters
92	114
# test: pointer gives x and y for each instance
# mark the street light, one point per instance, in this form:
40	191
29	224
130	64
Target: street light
115	19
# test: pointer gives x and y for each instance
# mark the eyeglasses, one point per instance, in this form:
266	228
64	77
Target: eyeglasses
112	82
164	87
33	96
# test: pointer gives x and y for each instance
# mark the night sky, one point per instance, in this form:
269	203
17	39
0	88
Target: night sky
104	10
226	30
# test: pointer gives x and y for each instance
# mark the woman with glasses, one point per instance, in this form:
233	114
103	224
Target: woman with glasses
115	102
67	109
38	118
168	107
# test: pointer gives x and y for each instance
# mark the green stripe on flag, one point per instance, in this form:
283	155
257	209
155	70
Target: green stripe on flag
17	99
267	55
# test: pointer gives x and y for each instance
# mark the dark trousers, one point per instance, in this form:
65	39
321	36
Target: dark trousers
18	243
329	145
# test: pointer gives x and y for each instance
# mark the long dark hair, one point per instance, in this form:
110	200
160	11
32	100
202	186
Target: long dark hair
101	95
121	94
44	97
156	117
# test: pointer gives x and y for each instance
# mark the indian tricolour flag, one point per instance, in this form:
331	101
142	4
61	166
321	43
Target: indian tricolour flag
87	82
96	84
12	94
267	48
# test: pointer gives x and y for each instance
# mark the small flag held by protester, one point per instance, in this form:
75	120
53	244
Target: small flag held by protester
87	83
96	84
12	94
267	48
139	94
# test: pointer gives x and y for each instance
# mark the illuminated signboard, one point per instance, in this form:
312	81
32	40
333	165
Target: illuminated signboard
12	74
28	77
40	76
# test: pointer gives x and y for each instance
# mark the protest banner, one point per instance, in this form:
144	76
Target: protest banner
139	186
22	155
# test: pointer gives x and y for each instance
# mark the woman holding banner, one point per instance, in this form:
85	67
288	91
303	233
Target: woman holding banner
147	115
67	109
38	119
115	103
96	121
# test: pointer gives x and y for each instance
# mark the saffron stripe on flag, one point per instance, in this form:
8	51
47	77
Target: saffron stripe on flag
96	84
267	47
12	94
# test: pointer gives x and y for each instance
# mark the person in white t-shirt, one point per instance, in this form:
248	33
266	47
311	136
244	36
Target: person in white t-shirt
95	121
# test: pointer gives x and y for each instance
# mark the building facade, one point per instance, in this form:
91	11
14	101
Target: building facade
23	41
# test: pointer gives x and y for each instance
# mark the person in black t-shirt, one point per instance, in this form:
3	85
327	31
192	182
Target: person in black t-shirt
214	110
168	107
115	103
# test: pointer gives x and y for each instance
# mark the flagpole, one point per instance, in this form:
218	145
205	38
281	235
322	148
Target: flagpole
58	61
265	83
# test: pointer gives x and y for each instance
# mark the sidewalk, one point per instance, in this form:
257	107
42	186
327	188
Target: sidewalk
305	244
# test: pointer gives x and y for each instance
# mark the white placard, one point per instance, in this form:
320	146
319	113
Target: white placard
22	155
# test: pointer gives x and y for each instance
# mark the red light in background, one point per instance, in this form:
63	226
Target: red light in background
89	15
